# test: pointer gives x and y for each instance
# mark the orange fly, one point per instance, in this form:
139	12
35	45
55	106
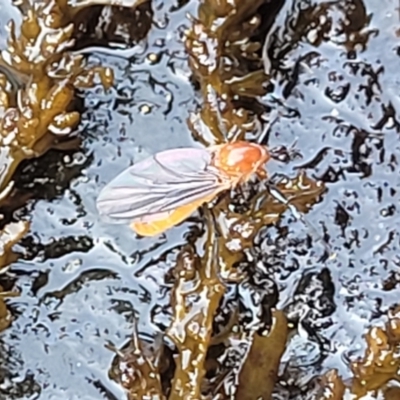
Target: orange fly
163	190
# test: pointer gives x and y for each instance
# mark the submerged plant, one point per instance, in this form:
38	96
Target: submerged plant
37	87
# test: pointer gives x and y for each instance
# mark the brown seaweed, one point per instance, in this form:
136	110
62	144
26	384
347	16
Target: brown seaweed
9	235
196	296
375	370
38	114
332	386
224	46
137	367
260	370
392	393
125	23
226	63
199	289
381	361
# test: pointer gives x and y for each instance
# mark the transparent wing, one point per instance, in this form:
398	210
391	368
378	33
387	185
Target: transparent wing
164	182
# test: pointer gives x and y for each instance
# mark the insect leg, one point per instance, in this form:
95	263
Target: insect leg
278	195
285	154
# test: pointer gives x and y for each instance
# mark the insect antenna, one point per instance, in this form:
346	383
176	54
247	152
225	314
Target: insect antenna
279	196
264	136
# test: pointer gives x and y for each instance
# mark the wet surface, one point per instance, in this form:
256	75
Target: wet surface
83	281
